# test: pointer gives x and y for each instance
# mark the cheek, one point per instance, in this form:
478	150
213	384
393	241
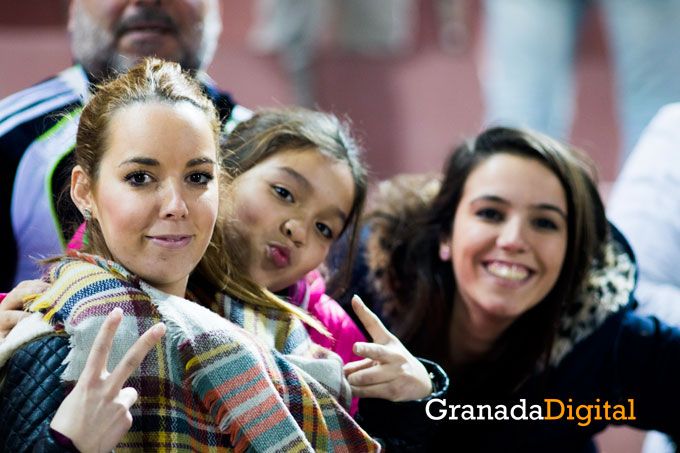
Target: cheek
250	215
123	224
313	258
467	242
107	13
253	210
555	256
319	255
208	207
118	213
188	14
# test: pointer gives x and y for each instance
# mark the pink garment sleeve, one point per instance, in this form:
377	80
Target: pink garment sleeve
345	332
310	294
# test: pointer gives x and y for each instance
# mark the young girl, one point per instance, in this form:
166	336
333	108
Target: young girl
299	186
512	278
146	181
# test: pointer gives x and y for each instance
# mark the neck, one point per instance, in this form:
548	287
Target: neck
178	289
473	333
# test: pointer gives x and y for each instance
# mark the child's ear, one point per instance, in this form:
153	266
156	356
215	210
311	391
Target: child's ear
81	190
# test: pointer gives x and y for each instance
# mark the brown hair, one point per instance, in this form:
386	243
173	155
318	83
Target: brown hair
273	130
153	80
421	287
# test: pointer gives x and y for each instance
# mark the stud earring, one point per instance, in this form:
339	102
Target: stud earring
444	252
87	214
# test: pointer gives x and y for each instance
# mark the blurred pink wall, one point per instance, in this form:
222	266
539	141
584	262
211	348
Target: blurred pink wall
409	110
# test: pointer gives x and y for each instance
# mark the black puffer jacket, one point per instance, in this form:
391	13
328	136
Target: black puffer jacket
31	395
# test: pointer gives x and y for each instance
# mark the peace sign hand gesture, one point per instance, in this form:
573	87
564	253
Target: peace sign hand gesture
388	371
96	414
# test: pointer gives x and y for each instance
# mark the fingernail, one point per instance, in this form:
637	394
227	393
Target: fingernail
117	312
159	329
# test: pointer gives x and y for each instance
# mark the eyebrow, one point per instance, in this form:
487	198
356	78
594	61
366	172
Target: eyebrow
306	185
155	163
541	206
304	182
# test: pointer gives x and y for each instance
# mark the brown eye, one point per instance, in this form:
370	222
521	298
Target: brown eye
545	224
283	193
138	178
490	214
325	230
200	178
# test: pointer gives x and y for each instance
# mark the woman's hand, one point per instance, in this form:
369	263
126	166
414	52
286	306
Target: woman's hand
11	307
96	414
388	371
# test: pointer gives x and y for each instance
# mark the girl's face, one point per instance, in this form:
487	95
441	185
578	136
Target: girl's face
291	206
509	237
156	196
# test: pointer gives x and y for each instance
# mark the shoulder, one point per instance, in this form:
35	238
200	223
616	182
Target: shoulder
52	95
84	285
606	295
231	113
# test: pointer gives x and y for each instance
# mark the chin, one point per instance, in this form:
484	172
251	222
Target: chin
503	310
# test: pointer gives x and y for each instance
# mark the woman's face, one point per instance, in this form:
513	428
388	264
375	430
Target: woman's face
156	195
291	206
509	237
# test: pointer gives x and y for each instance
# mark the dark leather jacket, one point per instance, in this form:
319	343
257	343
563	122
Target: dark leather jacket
31	395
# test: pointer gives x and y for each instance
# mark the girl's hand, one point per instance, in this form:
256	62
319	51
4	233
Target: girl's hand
96	414
388	371
11	307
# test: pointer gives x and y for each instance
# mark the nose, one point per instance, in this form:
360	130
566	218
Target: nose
295	231
174	205
511	237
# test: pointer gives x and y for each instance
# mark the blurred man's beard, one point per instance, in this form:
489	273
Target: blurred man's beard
95	48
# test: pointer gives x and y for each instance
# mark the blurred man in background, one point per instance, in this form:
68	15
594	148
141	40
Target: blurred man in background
38	125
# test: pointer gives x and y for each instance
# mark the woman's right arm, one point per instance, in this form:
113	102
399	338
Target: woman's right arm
12	304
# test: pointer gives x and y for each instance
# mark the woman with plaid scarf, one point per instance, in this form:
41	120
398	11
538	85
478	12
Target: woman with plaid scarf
146	182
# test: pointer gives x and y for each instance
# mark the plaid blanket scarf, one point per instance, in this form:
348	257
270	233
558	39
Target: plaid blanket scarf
210	385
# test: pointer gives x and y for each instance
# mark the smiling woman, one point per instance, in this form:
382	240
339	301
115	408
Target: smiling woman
156	193
509	275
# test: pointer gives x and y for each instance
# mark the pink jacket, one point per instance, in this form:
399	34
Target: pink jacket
310	293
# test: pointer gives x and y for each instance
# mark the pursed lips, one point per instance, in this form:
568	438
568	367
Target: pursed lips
278	254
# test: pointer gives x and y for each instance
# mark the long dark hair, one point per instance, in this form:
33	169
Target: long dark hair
421	287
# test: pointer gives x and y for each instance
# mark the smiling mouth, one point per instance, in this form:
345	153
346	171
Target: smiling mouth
174	241
150	28
508	271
